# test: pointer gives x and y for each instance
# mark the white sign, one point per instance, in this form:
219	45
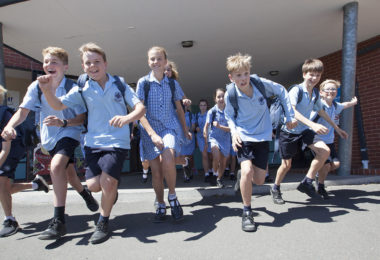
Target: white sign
13	98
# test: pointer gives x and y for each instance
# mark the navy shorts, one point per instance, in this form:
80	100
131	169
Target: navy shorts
291	143
105	160
257	152
16	153
65	146
333	155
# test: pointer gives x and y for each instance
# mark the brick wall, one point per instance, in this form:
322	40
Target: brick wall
368	75
16	60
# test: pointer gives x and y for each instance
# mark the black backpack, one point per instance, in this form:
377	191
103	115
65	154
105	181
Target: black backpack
26	130
82	79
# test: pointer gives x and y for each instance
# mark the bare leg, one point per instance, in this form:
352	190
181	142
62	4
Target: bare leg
157	178
285	166
59	179
108	185
73	178
169	170
322	152
5	195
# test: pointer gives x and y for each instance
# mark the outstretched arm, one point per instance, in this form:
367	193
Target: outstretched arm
351	103
56	121
137	113
322	113
318	128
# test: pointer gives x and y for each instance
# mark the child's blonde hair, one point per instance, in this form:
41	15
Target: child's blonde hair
329	81
58	52
312	65
92	47
2	94
174	69
159	49
238	62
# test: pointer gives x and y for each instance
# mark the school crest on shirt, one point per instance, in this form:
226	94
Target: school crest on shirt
118	97
261	100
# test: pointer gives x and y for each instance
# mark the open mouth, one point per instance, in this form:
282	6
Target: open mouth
51	72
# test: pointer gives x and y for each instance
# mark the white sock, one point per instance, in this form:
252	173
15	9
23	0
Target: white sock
232	173
215	173
10	217
186	162
145	171
34	185
207	174
172	199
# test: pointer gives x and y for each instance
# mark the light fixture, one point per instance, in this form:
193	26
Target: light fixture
187	44
274	72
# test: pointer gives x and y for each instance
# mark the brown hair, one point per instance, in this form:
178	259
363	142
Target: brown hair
92	47
312	65
173	66
159	49
2	94
58	52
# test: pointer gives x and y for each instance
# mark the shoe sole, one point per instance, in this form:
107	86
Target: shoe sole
51	237
249	229
274	200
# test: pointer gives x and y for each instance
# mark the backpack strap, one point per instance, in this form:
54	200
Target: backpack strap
121	88
256	81
172	89
232	97
146	86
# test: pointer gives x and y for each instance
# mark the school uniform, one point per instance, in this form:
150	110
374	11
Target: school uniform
218	137
253	123
200	138
105	146
188	146
333	112
290	138
160	114
61	140
16	153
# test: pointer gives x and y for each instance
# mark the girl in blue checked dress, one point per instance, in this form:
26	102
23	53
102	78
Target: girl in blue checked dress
200	122
159	129
219	137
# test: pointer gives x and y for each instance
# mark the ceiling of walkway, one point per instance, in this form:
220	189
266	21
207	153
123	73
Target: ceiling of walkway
279	34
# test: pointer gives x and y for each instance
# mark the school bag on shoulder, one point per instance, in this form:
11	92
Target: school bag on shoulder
275	107
27	129
317	117
146	85
299	93
83	78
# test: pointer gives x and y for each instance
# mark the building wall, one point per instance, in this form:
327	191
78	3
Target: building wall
368	77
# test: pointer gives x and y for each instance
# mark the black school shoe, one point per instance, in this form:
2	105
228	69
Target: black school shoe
91	202
41	183
322	191
177	212
10	227
55	230
309	189
100	234
247	222
188	175
277	196
160	215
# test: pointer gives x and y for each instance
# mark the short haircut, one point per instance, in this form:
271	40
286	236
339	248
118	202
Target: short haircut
173	66
159	49
58	52
203	100
312	65
92	47
238	62
329	81
2	94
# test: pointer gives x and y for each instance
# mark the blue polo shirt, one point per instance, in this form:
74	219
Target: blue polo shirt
333	113
102	106
160	111
50	135
305	107
253	121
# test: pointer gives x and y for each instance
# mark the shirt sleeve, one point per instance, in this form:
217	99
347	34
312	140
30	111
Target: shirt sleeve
130	96
178	92
31	100
208	117
74	100
293	95
140	89
229	114
318	104
339	108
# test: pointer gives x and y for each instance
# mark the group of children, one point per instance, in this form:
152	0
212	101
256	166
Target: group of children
102	106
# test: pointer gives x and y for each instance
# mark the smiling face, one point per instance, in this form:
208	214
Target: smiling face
95	66
219	98
329	92
54	66
240	78
157	61
311	78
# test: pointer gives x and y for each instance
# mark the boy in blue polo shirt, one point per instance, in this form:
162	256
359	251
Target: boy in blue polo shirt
60	135
251	128
304	100
328	91
108	139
